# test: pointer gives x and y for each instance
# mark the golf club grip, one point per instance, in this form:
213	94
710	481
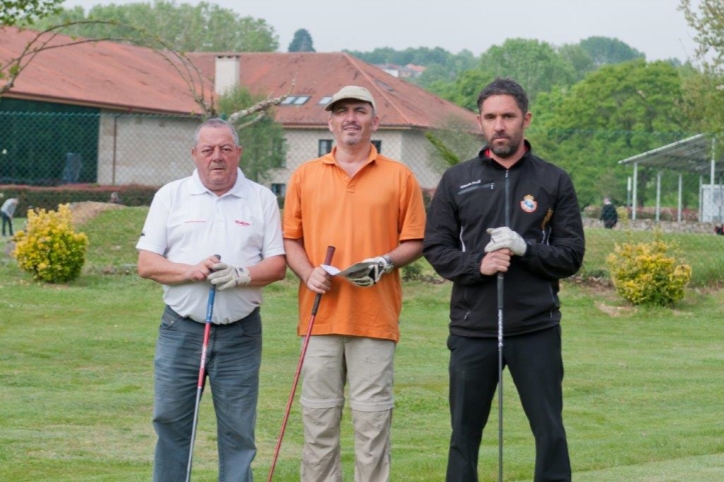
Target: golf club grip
212	297
327	261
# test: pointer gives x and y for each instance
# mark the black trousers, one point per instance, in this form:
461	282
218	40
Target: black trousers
9	221
536	365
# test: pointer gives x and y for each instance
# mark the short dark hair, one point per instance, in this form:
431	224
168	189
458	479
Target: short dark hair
505	86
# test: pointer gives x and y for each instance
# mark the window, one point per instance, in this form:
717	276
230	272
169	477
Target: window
279	189
325	146
295	100
325	100
378	146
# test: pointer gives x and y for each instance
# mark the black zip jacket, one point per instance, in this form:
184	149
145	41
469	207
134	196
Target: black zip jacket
541	206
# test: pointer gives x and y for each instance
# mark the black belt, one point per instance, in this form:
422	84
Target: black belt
168	310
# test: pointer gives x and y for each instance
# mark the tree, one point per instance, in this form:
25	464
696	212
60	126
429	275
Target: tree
15	12
302	42
184	27
614	113
579	59
464	90
534	64
606	50
262	138
452	144
708	23
703	99
704	88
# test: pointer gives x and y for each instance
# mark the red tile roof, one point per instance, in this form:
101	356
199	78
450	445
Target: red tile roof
129	78
100	74
399	103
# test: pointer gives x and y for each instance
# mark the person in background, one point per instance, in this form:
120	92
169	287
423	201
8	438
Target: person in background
215	211
505	211
370	208
8	211
609	216
115	199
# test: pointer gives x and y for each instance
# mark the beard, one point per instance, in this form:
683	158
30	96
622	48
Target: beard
505	151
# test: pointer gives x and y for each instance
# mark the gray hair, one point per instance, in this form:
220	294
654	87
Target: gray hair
217	123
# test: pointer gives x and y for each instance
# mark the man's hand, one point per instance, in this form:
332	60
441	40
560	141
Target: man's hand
506	238
381	265
226	276
496	262
318	281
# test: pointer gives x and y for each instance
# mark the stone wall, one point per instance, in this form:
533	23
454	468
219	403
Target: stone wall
650	225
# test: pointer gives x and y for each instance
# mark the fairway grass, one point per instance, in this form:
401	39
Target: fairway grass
643	387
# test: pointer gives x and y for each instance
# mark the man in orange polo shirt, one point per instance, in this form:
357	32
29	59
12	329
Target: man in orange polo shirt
368	207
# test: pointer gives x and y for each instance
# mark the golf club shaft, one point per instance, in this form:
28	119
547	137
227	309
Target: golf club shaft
501	320
500	376
202	366
315	307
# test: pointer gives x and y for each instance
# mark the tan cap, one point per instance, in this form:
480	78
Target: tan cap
352	92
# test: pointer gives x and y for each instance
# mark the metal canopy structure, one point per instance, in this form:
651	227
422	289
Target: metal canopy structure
696	154
693	154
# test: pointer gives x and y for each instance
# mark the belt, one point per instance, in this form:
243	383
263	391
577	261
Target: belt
169	311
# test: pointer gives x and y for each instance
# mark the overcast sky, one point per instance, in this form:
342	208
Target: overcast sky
654	27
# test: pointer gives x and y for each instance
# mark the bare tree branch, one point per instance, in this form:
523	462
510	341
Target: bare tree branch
258	107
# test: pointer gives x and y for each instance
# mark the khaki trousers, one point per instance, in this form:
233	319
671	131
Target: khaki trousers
321	461
367	366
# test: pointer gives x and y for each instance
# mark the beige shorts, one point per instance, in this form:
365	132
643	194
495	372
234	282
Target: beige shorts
365	363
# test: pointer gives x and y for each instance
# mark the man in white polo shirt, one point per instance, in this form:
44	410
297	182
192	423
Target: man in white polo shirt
214	211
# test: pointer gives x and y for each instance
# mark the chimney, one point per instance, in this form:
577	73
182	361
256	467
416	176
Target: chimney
227	73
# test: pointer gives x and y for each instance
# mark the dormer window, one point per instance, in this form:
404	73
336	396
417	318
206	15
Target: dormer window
295	100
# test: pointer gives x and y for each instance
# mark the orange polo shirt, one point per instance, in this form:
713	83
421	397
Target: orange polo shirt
363	216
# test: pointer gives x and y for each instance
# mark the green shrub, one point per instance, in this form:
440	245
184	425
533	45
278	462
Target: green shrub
645	273
49	248
412	271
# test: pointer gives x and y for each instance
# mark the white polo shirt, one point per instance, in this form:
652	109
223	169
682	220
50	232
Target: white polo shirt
187	223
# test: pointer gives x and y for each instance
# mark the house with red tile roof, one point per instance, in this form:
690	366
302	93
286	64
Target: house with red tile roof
118	79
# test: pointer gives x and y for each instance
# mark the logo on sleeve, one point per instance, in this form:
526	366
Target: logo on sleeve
529	204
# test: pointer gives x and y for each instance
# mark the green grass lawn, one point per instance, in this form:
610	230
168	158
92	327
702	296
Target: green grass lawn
643	387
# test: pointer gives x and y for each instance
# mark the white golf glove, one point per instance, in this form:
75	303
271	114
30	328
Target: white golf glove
226	276
506	238
381	265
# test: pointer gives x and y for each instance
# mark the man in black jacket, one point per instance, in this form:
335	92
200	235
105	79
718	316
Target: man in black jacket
609	216
505	211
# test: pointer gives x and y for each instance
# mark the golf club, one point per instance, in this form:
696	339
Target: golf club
200	385
317	299
500	286
500	376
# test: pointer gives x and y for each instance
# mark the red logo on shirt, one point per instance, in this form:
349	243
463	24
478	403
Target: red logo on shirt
241	223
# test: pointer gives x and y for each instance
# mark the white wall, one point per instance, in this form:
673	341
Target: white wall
134	149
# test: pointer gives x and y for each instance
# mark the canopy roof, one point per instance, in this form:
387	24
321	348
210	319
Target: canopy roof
688	155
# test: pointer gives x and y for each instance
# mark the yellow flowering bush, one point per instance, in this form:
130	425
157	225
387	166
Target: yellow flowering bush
645	273
49	248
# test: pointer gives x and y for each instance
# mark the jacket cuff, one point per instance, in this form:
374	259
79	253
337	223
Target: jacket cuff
529	248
